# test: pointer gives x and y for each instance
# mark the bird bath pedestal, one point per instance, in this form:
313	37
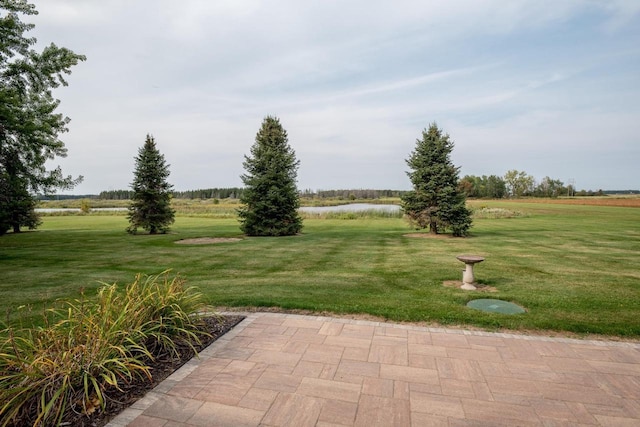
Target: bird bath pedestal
468	280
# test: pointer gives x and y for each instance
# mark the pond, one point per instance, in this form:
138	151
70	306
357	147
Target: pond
57	210
352	207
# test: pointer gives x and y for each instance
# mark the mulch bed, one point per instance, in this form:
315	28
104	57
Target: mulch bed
162	367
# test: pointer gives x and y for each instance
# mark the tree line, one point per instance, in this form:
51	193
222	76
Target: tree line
516	184
205	193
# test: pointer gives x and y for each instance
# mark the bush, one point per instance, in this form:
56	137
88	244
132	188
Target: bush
90	347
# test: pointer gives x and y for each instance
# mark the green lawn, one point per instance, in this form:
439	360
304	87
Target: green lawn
574	268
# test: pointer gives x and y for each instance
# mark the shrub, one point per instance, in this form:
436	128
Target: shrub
90	347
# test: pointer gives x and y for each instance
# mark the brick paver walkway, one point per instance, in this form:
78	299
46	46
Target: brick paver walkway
290	370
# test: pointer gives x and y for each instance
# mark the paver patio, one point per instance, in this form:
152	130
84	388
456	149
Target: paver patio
292	370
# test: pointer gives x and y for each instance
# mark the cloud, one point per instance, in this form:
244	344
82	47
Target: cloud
353	83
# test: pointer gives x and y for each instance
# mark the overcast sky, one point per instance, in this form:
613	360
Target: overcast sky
548	87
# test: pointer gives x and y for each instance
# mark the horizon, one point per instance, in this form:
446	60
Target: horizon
551	89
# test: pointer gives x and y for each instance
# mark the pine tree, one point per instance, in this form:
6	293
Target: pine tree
270	199
436	200
150	206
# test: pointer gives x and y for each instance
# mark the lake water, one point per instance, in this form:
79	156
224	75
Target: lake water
52	210
352	207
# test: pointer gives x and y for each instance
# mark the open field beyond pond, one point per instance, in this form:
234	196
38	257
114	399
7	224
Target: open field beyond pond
573	267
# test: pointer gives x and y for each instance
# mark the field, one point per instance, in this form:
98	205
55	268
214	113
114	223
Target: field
574	267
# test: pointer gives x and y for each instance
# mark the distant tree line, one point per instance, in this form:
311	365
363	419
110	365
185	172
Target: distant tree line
237	192
206	193
66	196
210	193
516	184
116	195
476	187
350	194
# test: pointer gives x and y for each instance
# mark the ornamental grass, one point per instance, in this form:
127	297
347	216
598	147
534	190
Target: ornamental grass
90	347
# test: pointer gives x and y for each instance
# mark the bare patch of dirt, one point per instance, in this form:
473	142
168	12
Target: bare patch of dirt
479	287
429	236
207	240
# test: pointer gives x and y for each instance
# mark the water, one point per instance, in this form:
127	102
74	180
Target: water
56	210
352	207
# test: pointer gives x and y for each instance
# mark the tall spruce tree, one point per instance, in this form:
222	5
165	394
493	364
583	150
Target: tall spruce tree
436	200
150	206
29	126
270	199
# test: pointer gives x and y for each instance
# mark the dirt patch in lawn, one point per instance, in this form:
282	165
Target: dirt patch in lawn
207	240
479	287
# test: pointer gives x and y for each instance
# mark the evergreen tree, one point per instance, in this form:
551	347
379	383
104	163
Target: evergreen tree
270	199
150	206
29	126
436	200
17	205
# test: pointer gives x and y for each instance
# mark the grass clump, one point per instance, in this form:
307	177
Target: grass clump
485	212
88	348
346	215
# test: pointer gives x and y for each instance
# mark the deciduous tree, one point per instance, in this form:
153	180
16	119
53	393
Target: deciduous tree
270	199
518	183
150	206
29	125
436	201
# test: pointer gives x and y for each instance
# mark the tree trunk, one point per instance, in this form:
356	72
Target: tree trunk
433	227
16	228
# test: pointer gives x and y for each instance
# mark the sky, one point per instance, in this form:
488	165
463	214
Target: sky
548	87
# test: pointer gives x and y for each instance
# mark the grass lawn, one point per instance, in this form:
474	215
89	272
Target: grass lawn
574	268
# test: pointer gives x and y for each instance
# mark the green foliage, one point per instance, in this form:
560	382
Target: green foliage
17	205
270	199
486	187
436	201
151	202
29	126
519	183
85	206
116	195
551	188
89	348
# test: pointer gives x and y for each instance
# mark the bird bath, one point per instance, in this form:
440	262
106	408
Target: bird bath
468	280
